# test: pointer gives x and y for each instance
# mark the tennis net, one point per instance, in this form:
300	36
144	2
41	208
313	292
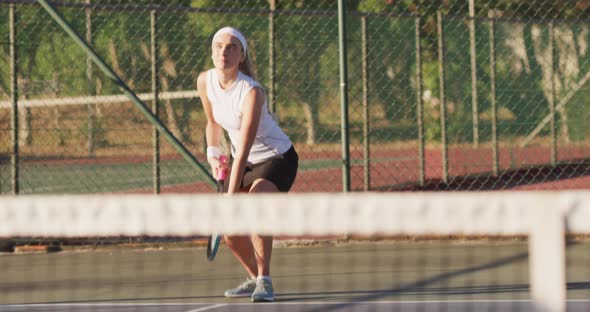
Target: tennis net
492	251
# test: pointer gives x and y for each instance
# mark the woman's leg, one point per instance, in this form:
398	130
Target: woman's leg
262	244
241	247
254	252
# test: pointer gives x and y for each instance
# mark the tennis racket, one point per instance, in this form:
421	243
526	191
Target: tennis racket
215	239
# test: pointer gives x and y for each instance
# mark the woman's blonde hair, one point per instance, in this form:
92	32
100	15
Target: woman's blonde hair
246	67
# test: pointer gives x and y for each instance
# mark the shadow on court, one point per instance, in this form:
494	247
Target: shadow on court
420	288
423	288
531	177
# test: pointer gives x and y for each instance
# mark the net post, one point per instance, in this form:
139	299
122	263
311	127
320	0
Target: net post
547	259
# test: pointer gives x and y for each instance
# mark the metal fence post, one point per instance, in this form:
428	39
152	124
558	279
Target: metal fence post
419	104
91	136
474	103
366	115
443	106
494	108
271	56
344	96
553	95
14	159
155	102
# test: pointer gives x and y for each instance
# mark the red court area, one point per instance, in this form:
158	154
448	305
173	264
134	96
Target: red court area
398	169
468	169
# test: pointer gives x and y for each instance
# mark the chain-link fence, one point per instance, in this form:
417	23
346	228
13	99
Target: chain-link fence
443	95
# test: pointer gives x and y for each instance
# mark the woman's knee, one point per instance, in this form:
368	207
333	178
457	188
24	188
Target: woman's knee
236	240
263	186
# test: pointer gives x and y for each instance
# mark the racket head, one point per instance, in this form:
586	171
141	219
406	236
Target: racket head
213	246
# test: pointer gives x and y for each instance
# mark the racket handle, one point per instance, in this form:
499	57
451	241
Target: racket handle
222	174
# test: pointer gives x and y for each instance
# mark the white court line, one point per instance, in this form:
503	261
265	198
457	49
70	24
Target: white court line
98	304
208	308
270	303
278	302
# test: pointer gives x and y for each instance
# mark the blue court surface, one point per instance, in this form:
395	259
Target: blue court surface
330	276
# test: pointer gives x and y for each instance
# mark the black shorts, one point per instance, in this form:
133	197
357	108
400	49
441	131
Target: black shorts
280	170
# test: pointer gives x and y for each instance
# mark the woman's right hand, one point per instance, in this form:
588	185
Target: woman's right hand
218	166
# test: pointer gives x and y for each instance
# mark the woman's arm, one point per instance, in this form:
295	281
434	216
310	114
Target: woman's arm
213	131
251	112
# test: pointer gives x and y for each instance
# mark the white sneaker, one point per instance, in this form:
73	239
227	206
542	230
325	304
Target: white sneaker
263	291
245	289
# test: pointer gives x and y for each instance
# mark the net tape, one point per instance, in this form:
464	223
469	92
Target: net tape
468	213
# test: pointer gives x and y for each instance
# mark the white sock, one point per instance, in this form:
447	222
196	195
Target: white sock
265	278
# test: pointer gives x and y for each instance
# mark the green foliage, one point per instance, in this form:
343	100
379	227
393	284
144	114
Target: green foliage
306	56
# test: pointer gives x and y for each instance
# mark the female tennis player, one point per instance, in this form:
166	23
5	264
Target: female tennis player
264	159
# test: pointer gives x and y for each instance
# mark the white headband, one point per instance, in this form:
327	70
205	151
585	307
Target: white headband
234	32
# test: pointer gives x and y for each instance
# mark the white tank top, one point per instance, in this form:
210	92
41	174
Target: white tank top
227	106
